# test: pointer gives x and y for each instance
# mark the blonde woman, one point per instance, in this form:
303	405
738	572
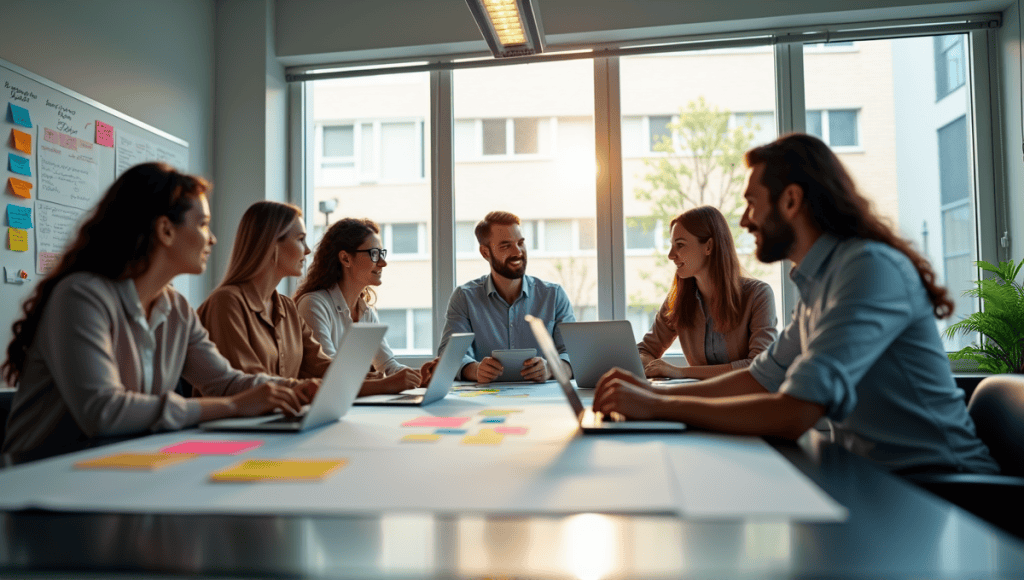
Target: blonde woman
254	326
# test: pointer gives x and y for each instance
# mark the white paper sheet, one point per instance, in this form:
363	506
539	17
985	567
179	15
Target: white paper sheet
132	150
66	176
725	477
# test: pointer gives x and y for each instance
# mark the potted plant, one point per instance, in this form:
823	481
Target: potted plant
1000	322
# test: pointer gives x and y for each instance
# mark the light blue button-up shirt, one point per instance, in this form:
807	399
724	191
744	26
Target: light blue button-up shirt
477	307
864	343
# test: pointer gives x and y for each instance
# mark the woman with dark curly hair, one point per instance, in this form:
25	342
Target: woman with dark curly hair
337	291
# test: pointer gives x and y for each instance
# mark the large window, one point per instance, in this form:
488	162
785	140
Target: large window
371	162
523	140
524	143
912	157
682	147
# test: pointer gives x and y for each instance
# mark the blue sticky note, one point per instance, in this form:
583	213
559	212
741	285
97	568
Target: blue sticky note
450	431
19	115
493	420
19	164
19	217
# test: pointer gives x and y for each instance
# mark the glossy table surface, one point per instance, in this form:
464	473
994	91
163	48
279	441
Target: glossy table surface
894	531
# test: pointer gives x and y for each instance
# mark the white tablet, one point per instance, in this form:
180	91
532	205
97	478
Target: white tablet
512	362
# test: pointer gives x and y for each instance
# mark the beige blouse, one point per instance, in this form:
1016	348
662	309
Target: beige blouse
755	331
255	341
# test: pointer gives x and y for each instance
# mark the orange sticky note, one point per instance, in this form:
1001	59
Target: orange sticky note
279	470
421	438
20	187
22	141
18	239
144	461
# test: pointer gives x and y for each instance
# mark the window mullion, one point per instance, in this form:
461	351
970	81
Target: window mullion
792	116
442	195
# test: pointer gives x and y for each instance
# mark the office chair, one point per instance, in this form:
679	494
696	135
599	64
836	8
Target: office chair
997	407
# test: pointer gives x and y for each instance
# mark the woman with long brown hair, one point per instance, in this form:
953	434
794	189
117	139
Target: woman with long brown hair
254	326
722	320
104	337
337	291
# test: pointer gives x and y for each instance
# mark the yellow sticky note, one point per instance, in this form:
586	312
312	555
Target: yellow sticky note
144	461
20	187
22	141
18	239
499	412
279	470
470	394
422	438
484	437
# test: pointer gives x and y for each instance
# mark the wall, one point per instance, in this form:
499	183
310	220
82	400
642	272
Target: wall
112	52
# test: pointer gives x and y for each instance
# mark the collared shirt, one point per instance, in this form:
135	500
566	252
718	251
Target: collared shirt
327	313
278	342
98	367
864	344
703	344
477	307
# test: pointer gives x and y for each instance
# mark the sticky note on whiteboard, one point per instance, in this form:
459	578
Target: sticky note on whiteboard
19	164
19	217
19	115
18	239
20	187
104	134
22	141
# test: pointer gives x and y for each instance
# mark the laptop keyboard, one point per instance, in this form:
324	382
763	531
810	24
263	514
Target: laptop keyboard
612	417
407	398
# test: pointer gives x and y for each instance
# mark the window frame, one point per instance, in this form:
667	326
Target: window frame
366	176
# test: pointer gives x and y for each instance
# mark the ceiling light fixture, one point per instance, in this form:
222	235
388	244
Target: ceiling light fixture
510	27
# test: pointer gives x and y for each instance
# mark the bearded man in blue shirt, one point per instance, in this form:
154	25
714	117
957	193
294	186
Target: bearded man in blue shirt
494	306
862	349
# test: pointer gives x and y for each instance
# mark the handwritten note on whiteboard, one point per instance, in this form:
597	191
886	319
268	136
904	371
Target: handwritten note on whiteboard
68	177
132	150
55	226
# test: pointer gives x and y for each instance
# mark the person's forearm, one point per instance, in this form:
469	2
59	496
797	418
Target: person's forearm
739	382
212	408
469	371
704	371
762	414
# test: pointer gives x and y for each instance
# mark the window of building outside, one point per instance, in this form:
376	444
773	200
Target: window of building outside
524	143
950	64
370	156
682	147
906	152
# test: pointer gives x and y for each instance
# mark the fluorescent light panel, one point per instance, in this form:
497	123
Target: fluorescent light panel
510	27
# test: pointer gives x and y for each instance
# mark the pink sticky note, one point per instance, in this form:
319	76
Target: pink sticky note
51	136
104	134
511	430
47	260
68	142
212	447
436	422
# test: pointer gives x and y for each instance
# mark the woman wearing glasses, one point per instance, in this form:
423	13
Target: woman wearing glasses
337	292
256	328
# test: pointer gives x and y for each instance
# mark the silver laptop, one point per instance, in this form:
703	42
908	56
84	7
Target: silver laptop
597	347
441	380
589	421
339	388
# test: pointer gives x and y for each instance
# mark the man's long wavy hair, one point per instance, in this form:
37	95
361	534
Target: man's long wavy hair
116	241
345	235
725	302
834	203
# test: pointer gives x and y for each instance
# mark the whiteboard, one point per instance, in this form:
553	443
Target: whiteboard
62	151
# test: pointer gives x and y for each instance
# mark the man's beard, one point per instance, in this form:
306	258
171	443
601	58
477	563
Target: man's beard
508	271
777	237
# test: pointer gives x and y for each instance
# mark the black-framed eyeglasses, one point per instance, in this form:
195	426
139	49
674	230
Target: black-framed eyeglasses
375	254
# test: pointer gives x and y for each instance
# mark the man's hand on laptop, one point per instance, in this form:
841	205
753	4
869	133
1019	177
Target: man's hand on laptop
622	392
404	379
427	371
487	370
266	398
535	369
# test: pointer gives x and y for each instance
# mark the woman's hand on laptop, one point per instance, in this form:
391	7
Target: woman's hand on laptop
535	369
622	392
266	398
404	379
660	368
427	371
306	389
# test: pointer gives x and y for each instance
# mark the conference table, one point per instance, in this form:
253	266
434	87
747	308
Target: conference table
870	525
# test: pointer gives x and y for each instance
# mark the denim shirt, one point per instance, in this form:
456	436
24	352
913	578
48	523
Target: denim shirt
864	343
477	307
